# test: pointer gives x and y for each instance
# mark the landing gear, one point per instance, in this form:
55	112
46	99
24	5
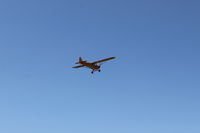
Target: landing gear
92	71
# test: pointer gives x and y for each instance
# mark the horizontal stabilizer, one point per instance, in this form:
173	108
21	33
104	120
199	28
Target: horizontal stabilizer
78	66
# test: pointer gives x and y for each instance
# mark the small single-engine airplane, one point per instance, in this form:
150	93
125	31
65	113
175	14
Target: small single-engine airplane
95	66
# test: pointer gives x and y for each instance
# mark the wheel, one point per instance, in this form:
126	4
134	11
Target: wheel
92	72
99	70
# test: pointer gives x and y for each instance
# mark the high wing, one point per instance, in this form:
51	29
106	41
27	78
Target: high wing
78	66
110	58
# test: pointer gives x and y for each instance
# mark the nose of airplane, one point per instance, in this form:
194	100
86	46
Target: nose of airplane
97	66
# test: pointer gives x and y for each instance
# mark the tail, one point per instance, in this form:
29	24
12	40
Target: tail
80	60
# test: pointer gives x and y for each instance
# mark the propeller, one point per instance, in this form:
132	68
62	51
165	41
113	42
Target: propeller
99	64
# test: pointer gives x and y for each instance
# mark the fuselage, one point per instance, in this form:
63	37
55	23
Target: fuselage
90	65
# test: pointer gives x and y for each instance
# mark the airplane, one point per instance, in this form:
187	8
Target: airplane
95	66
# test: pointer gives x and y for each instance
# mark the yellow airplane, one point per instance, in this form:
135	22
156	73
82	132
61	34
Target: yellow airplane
95	66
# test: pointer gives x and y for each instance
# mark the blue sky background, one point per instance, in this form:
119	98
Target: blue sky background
152	86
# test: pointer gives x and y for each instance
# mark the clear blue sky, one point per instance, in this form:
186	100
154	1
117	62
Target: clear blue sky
152	87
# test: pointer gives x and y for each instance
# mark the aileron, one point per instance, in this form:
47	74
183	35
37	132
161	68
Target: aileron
104	60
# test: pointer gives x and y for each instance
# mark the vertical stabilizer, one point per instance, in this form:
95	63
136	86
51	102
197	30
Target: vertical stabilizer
80	60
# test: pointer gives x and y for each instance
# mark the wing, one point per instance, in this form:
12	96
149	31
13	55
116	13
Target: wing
110	58
78	66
